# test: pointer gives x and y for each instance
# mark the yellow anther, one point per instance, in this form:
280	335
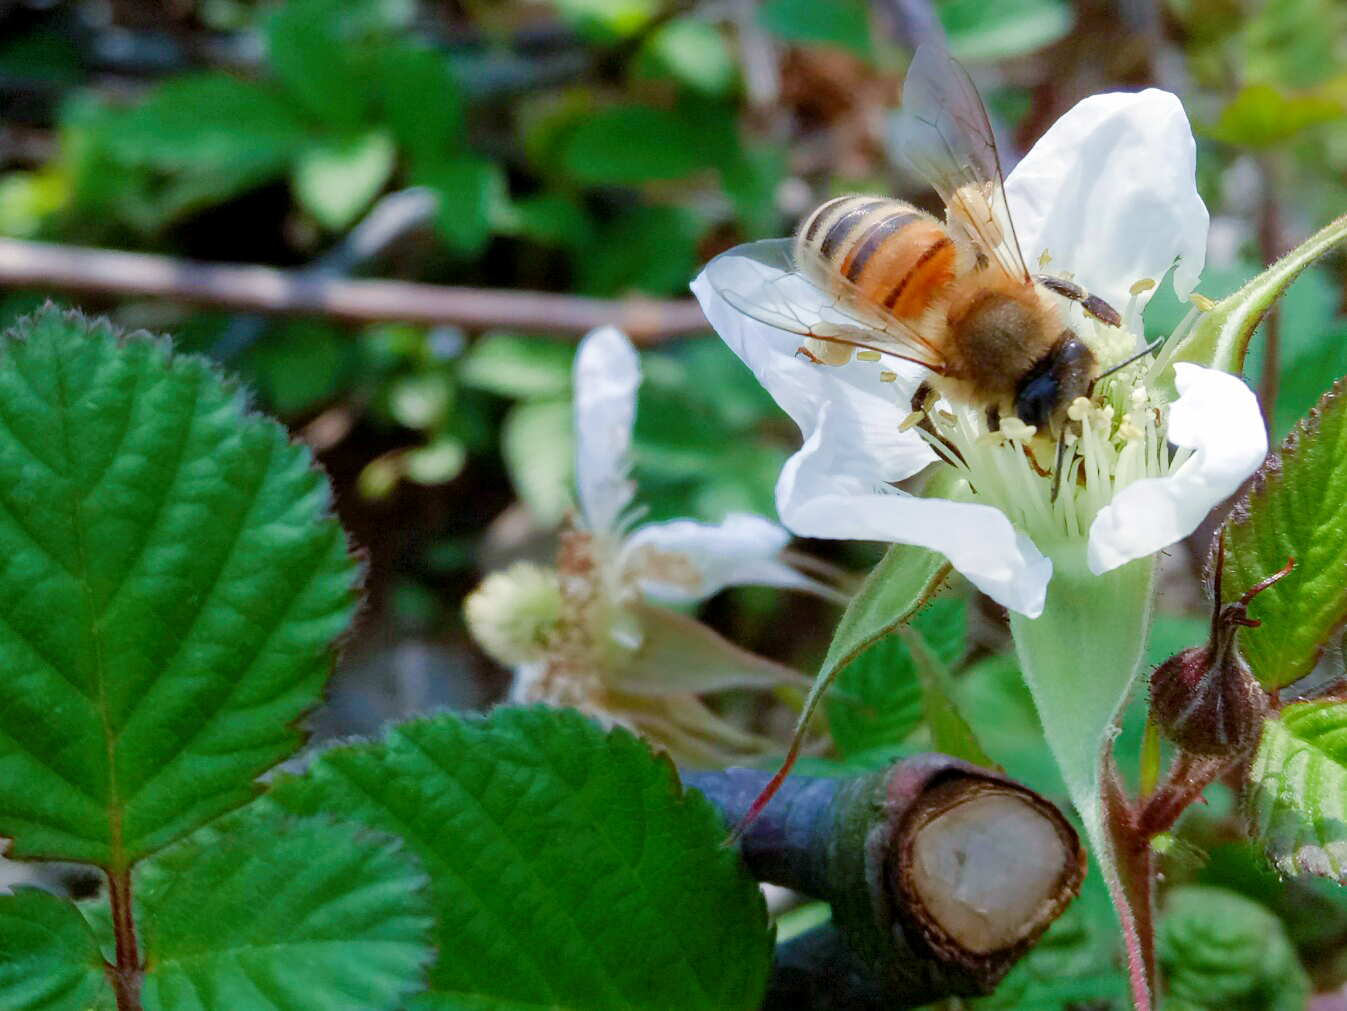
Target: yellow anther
1014	428
1080	409
1145	284
868	356
1202	302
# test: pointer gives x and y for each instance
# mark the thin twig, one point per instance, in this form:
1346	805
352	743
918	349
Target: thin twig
83	271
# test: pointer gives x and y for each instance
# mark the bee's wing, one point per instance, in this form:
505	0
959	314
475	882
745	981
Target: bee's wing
760	280
948	139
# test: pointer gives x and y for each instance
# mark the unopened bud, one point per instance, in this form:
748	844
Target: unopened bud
1206	699
1208	702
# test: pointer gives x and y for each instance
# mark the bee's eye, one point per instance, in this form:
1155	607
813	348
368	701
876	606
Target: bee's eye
1036	398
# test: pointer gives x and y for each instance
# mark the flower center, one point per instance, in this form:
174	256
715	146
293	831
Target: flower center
1113	437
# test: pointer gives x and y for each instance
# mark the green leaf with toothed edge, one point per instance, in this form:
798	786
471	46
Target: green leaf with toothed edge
1297	794
1220	950
878	698
905	579
171	585
1296	509
569	869
49	958
1221	336
269	913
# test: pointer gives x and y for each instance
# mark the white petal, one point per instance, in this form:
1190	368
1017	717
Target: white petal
607	372
1110	192
1216	416
816	500
867	412
742	550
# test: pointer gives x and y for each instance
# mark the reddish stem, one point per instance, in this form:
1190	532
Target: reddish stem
126	975
1133	892
1188	776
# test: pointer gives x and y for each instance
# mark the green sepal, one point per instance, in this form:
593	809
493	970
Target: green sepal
950	732
878	699
1220	338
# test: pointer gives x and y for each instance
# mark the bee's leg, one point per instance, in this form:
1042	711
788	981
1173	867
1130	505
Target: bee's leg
1092	304
813	358
921	399
921	404
993	418
1057	468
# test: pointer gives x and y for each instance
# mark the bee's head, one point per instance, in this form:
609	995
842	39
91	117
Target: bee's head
1055	380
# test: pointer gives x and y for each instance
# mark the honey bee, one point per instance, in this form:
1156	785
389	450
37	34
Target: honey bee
953	295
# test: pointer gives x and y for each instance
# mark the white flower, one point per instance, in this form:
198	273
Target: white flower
584	635
1108	197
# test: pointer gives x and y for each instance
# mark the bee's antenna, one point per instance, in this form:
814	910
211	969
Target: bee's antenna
1149	349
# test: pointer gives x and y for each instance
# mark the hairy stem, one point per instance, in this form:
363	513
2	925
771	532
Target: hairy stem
126	974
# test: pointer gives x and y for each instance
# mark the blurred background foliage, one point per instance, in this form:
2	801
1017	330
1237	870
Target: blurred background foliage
608	148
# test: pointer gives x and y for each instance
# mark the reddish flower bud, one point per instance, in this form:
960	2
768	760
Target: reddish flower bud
1206	699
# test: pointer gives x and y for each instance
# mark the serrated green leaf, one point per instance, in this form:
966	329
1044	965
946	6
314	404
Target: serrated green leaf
1261	116
633	144
896	589
209	122
609	20
650	249
1297	795
469	188
173	582
878	699
437	463
310	50
1221	335
539	452
336	181
980	32
1296	508
300	364
520	367
1071	967
692	51
1221	951
903	581
950	732
265	912
568	870
420	100
842	23
49	958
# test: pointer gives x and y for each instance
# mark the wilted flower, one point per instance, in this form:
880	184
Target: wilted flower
587	633
1108	197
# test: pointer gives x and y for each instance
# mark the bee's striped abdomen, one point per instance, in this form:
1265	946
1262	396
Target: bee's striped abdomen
895	255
